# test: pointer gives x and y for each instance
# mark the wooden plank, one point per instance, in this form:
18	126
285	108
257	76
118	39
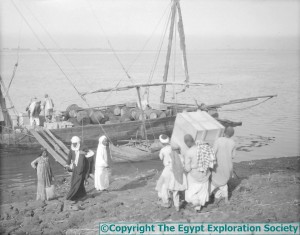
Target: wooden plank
56	147
42	142
59	142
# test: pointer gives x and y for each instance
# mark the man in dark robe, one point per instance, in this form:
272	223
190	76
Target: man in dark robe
77	162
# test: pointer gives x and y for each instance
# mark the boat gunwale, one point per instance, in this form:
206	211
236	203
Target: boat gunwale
115	124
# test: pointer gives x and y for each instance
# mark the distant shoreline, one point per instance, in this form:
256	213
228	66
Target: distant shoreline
136	51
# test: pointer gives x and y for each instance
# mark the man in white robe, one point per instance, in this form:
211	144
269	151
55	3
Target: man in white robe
34	110
48	106
102	165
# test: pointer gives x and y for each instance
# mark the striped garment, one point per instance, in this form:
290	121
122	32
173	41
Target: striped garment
205	155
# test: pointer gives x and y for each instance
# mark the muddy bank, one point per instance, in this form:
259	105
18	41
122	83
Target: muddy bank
261	191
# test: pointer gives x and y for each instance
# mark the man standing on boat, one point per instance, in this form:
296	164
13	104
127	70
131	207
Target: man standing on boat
34	109
48	106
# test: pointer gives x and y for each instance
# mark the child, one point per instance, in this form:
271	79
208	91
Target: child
224	149
172	179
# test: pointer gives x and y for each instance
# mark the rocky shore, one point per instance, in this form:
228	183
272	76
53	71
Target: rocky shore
261	191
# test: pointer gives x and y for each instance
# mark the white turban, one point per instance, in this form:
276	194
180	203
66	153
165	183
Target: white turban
75	139
164	139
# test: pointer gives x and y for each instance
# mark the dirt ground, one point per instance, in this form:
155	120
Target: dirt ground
261	191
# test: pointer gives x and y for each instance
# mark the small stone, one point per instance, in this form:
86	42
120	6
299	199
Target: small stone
16	211
29	213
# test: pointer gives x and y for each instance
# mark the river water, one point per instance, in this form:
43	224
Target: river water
269	130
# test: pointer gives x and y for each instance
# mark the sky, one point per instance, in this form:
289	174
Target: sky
128	24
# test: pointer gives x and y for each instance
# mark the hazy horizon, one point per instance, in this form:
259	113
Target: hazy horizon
192	43
208	24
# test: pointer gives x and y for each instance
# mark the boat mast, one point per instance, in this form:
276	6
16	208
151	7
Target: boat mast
175	7
182	43
165	77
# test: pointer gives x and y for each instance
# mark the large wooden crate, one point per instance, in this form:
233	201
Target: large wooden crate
200	125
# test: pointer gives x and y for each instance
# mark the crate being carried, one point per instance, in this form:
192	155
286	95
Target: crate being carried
200	125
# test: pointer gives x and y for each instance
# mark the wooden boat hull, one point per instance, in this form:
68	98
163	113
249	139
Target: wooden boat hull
118	131
91	133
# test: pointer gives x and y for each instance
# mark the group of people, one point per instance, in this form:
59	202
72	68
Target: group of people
80	162
202	171
35	107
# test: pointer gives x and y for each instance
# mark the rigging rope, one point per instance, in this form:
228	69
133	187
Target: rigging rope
19	40
12	78
57	45
158	53
17	62
45	48
147	41
126	71
53	59
140	52
109	43
147	90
